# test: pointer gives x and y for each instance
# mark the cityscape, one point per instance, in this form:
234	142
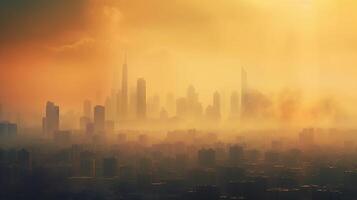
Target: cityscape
130	100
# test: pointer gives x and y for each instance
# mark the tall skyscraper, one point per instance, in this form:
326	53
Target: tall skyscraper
217	105
193	106
99	118
124	90
87	109
50	122
141	99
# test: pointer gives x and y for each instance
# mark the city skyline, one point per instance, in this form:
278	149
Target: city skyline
206	48
178	100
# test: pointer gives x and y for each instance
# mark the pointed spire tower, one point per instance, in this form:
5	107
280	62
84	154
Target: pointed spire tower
124	88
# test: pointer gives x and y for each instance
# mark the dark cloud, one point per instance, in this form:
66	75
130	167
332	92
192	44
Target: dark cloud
31	21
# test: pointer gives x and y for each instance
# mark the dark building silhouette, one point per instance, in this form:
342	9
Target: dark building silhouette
24	159
90	129
141	99
50	123
8	129
235	154
87	164
217	105
83	122
99	118
110	167
62	137
87	109
207	157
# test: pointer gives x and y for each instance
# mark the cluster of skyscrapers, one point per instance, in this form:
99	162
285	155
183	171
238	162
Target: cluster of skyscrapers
124	106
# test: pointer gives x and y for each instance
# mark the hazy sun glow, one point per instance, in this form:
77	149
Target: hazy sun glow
306	46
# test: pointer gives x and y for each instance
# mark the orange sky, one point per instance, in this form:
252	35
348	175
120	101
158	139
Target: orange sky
67	51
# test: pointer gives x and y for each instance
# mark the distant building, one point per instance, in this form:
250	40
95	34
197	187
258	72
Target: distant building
87	109
189	107
110	167
87	164
62	137
99	118
217	105
306	137
83	122
207	157
8	129
153	106
181	107
235	154
141	99
109	126
50	123
24	159
90	129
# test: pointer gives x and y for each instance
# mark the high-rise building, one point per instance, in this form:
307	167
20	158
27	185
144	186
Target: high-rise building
217	105
124	90
141	99
87	109
192	108
99	118
50	122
